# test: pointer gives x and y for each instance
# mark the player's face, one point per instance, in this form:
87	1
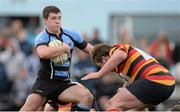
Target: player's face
53	23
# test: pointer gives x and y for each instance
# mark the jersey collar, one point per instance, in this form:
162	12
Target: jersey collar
53	34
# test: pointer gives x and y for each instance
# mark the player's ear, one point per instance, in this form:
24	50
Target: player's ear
44	21
104	59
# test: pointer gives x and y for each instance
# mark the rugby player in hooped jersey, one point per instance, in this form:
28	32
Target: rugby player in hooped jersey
149	82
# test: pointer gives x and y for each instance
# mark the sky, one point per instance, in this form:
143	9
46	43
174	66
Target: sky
85	15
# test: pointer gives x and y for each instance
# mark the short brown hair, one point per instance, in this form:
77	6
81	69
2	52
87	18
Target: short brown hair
99	51
50	9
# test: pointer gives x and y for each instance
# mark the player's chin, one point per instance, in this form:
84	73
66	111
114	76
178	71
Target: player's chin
56	29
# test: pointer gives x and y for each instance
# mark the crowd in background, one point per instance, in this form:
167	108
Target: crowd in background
19	62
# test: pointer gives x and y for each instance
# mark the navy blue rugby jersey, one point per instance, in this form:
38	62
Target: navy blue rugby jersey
56	71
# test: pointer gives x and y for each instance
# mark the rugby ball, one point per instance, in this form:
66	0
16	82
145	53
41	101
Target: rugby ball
61	59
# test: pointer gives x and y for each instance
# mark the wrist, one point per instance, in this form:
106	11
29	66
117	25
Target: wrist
100	73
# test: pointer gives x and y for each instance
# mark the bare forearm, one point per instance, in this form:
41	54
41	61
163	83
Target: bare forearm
109	66
113	62
89	49
50	52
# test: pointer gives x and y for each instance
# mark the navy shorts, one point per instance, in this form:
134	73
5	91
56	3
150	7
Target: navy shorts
150	93
50	88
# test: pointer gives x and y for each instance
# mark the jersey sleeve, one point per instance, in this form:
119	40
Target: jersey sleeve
124	47
78	40
41	39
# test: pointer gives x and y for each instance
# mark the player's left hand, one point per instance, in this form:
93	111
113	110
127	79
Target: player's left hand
92	75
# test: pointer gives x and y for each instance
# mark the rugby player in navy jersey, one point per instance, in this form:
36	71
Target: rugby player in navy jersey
54	80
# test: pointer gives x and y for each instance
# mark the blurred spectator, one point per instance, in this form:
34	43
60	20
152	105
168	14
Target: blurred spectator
20	89
4	40
25	46
96	39
3	80
175	69
15	27
32	34
13	60
33	64
3	75
162	50
86	36
4	56
143	43
20	33
176	51
18	65
124	36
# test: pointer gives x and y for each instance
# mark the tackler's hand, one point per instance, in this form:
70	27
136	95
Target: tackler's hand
92	75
